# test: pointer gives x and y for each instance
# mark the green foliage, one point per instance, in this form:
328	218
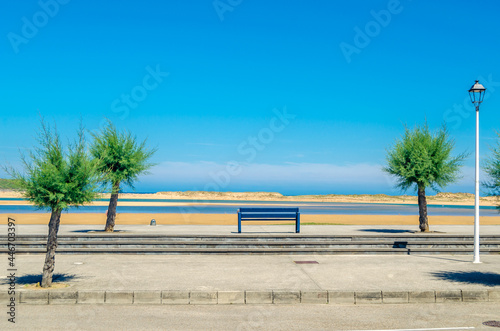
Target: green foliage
423	159
54	178
121	158
9	184
492	168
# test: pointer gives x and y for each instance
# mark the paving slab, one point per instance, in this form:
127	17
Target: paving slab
494	295
341	297
230	297
474	295
119	297
175	297
286	297
417	296
203	298
314	297
91	297
147	297
35	297
449	296
395	296
5	297
363	297
62	297
259	297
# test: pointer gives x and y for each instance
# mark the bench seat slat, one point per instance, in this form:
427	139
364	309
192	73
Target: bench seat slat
268	219
280	215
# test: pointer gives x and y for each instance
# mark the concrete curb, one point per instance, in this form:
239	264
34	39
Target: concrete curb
171	297
119	297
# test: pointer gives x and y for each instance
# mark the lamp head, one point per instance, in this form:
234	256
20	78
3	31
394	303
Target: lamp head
477	92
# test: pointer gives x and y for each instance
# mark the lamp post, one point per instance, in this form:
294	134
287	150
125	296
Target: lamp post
476	94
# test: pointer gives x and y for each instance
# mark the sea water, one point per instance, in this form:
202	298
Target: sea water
231	207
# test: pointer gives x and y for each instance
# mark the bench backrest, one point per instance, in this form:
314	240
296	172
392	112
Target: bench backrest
269	210
269	214
282	213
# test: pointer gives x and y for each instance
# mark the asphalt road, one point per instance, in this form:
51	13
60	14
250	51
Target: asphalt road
462	316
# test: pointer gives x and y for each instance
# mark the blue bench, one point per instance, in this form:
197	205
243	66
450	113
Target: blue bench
269	214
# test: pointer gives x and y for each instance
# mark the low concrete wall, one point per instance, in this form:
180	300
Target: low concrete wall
44	297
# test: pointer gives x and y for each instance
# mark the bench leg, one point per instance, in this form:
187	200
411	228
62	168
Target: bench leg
239	223
297	224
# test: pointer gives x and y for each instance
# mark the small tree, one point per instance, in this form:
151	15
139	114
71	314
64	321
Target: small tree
423	159
492	168
54	179
121	161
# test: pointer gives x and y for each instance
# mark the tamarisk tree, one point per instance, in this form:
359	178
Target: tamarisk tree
421	159
56	178
121	160
492	168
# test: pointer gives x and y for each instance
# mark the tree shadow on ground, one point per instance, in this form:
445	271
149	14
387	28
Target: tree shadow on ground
387	230
37	278
469	277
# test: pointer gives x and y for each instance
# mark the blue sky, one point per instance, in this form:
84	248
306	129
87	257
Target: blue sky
291	96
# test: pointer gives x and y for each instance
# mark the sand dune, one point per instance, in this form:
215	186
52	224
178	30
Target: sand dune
200	196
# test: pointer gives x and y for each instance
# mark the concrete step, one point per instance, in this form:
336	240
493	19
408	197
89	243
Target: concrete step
257	244
210	251
256	237
146	244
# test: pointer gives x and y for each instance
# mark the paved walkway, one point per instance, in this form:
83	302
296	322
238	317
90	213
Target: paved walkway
229	272
108	272
264	272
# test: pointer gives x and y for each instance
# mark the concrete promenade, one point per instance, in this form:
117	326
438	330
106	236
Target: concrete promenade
247	279
281	229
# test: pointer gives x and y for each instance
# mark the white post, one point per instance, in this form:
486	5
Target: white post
476	208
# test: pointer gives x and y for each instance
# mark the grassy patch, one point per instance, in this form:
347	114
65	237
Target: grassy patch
9	184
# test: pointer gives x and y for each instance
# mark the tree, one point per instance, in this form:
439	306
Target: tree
422	159
121	160
54	179
8	184
492	168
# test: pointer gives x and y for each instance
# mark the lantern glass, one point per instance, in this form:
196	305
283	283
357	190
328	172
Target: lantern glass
477	92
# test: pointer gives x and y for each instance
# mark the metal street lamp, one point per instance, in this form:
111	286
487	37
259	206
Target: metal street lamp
476	94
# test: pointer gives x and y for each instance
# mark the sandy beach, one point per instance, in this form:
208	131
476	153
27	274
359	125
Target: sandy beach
227	219
249	198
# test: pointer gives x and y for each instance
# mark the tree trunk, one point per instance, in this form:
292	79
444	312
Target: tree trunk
111	214
422	210
50	257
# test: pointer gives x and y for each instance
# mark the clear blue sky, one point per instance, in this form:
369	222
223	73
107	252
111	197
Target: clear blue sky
199	79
